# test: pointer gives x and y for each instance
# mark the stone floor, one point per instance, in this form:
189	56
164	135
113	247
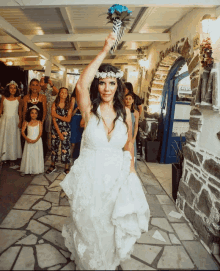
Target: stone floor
163	173
30	235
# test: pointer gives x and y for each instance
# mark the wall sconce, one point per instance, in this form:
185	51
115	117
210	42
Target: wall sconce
42	61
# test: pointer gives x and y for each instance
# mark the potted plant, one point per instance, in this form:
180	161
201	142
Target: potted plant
152	146
177	168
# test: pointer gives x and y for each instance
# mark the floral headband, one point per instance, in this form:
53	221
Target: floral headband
111	74
12	83
34	107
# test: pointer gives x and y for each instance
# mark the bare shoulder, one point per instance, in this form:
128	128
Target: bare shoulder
136	113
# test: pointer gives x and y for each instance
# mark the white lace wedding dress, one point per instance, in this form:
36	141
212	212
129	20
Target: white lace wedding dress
109	210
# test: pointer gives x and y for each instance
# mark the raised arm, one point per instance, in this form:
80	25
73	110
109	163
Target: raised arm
55	90
129	146
87	76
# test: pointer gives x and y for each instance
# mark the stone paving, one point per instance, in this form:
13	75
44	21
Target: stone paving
30	235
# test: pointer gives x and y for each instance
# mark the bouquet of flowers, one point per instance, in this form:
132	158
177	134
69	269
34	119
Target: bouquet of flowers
120	17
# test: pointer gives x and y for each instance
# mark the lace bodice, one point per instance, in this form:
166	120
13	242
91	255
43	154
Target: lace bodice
94	136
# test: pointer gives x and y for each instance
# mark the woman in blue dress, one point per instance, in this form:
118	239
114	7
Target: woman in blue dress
76	130
129	102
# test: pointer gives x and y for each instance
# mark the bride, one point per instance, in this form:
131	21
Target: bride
109	210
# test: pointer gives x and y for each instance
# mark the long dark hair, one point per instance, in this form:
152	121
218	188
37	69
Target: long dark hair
118	100
28	114
129	86
73	95
67	101
33	80
132	106
7	93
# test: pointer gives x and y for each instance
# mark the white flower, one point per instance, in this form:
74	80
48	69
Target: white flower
110	74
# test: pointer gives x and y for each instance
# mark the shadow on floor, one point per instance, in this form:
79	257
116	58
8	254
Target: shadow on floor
12	186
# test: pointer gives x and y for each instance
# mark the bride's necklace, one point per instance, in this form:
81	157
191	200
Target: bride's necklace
107	127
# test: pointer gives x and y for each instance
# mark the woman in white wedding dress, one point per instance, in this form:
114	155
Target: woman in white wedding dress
109	210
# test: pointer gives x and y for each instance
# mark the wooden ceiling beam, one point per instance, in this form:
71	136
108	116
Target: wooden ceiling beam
163	37
107	3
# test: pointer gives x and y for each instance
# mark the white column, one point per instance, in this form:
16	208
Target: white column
48	68
64	84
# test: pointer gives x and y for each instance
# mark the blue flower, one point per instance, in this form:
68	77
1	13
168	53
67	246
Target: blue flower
119	8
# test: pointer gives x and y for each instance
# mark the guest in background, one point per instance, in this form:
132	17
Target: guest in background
35	98
61	113
76	129
50	91
129	102
138	107
137	99
32	159
10	122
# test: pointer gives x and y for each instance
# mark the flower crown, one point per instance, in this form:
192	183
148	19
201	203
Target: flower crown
111	74
34	107
12	83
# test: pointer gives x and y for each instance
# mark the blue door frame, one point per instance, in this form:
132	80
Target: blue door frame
167	109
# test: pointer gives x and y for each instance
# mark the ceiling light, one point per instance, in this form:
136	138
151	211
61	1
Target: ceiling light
9	63
207	21
144	63
42	61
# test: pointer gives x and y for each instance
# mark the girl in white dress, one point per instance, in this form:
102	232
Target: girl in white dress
33	159
109	210
10	122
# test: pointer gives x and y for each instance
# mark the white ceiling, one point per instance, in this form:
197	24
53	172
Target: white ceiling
34	22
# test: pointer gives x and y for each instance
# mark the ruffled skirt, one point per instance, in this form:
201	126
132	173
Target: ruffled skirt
109	210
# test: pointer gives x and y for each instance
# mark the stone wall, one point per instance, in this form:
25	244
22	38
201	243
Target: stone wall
199	194
198	197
